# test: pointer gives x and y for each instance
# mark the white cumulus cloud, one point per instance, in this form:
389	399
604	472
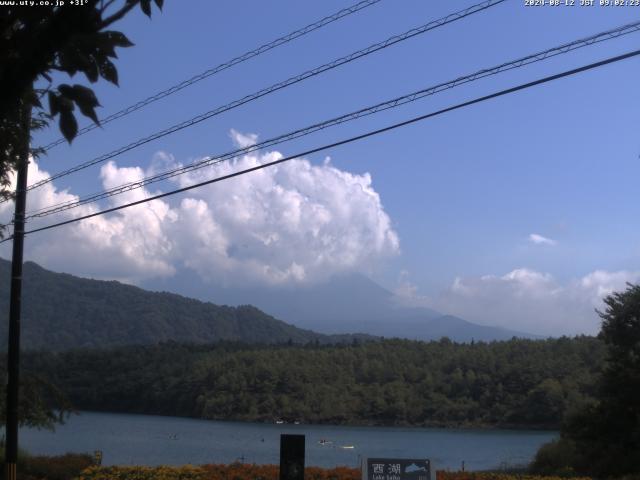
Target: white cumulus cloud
295	222
243	140
540	240
127	246
534	302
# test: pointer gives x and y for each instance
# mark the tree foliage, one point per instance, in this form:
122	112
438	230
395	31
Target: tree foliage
602	438
555	459
37	42
519	383
607	433
42	403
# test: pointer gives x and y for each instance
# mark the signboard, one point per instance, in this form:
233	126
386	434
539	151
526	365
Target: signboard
398	469
291	457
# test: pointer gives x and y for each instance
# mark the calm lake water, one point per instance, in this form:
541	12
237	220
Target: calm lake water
154	440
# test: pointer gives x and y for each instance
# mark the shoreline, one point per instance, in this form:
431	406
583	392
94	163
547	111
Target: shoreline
138	439
401	426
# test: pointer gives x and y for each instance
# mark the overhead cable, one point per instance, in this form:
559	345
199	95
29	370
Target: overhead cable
223	66
372	133
389	104
275	87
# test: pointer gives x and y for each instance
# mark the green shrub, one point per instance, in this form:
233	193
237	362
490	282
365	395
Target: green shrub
40	467
63	467
555	458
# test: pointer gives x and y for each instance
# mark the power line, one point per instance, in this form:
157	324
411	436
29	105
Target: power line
278	86
500	93
393	103
223	66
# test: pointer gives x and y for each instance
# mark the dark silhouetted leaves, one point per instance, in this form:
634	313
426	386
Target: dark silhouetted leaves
86	101
54	104
118	39
109	72
65	103
82	96
66	90
68	40
91	71
85	96
68	125
34	99
145	5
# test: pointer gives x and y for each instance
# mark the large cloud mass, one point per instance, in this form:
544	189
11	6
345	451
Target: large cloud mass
534	302
295	222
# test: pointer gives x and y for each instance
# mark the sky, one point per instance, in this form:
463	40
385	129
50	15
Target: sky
521	211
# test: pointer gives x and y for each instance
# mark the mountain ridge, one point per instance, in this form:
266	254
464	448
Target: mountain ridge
61	311
344	303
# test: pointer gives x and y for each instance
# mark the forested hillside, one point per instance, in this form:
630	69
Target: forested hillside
530	383
61	311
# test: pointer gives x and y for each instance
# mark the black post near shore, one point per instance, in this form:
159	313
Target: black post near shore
292	457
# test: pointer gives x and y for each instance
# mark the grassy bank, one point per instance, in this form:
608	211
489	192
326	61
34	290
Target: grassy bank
81	467
213	472
42	467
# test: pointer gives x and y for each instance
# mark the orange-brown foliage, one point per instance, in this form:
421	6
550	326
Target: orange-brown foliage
234	471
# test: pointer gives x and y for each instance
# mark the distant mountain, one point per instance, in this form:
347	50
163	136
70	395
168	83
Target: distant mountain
61	311
460	330
346	303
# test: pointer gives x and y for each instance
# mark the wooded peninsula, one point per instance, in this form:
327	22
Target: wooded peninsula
512	384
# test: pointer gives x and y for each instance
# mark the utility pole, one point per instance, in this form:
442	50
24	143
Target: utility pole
13	357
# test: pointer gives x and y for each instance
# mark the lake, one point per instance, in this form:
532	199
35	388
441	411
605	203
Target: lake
155	440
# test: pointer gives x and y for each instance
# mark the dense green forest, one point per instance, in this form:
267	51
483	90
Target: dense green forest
529	383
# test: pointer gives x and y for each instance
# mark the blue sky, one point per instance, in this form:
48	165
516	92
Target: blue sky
463	192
